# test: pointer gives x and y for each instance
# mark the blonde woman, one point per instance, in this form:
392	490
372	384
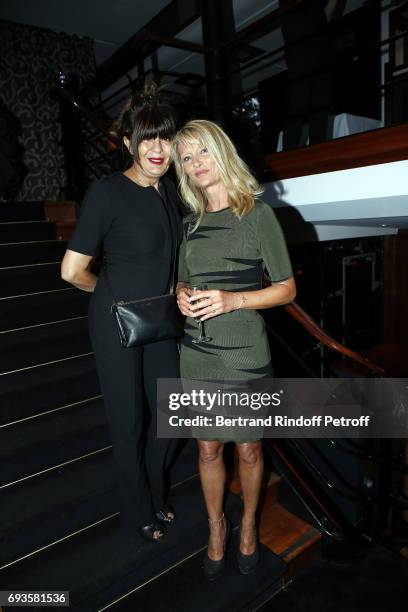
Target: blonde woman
231	237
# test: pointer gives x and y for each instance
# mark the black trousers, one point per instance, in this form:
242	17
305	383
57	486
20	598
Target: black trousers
128	379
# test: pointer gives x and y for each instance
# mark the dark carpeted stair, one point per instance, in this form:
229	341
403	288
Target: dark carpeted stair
18	231
31	278
53	438
23	253
187	589
29	392
93	566
44	343
44	307
84	494
22	211
58	497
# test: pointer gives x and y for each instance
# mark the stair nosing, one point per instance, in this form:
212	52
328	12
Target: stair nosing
15	329
21	222
42	241
152	579
55	542
310	537
90	526
45	263
54	467
40	414
12	297
46	363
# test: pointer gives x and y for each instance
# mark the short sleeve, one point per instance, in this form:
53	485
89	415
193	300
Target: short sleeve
94	220
183	275
273	248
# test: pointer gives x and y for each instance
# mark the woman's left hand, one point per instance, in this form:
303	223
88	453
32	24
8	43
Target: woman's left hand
213	302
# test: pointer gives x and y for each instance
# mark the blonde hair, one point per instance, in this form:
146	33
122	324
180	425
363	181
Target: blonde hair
241	186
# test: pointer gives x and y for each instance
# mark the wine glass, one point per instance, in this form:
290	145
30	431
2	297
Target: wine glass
201	334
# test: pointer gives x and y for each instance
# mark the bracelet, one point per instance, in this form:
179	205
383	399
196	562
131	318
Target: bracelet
243	301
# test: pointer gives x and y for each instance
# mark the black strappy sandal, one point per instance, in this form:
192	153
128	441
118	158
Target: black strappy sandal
147	532
164	515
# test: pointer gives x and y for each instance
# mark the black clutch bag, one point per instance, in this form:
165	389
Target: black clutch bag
148	320
151	319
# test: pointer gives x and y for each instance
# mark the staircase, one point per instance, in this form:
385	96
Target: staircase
59	507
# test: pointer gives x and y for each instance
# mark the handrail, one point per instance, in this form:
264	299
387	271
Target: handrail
378	146
89	113
297	313
310	325
363	453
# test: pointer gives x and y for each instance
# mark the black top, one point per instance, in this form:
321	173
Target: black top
131	223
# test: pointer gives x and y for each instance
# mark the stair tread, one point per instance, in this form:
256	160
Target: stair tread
20	231
87	504
232	592
23	348
52	490
285	533
42	308
30	392
52	439
66	500
80	563
22	211
31	279
45	374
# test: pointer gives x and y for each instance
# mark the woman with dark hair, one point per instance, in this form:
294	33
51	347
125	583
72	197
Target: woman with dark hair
134	215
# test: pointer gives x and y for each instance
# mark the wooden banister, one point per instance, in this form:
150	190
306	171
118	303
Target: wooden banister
310	325
369	148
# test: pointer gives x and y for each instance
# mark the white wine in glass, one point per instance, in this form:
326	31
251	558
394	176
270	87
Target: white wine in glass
201	334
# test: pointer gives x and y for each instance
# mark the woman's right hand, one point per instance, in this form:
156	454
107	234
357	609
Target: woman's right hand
183	300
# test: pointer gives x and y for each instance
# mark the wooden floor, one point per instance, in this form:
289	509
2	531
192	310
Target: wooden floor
287	535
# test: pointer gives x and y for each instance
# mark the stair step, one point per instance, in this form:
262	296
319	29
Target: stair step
92	565
22	211
35	345
232	592
52	490
287	535
31	279
75	498
29	392
20	231
54	305
73	482
29	447
32	252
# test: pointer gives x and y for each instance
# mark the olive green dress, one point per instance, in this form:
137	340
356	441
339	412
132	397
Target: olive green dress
229	253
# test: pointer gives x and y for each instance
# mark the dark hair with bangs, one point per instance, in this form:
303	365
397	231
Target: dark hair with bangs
145	116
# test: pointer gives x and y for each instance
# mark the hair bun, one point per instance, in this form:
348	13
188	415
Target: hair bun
151	92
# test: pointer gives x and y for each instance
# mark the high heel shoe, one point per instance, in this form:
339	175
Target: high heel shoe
147	532
164	515
247	564
213	569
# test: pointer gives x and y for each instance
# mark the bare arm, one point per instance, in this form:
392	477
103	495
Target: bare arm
75	270
214	302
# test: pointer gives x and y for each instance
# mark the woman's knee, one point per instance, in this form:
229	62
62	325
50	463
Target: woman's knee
250	453
210	452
